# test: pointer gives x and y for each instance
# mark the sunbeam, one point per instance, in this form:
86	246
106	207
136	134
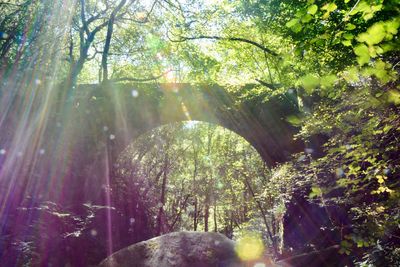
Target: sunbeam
132	130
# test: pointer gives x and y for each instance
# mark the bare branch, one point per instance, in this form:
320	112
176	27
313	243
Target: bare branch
151	10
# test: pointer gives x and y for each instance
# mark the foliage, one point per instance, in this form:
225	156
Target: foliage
360	166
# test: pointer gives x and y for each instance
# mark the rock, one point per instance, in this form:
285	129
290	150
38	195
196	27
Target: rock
183	249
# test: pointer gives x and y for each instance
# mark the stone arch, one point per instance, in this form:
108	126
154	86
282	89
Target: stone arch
125	111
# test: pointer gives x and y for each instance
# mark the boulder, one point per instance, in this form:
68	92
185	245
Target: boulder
183	249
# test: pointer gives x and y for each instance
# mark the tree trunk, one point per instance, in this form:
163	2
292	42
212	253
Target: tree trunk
209	188
206	214
264	216
104	58
110	28
162	197
215	218
196	210
195	222
76	70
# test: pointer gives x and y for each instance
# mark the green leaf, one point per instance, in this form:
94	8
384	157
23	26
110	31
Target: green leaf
392	26
379	50
393	96
346	43
312	9
376	8
297	28
310	82
315	192
350	27
328	81
362	53
368	16
306	18
294	120
329	7
348	36
292	23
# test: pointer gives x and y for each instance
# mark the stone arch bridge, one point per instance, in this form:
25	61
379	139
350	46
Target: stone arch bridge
116	114
107	118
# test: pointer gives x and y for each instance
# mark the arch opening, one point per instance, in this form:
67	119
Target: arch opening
195	176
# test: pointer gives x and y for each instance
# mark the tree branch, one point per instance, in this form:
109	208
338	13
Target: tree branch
234	39
83	17
272	86
131	79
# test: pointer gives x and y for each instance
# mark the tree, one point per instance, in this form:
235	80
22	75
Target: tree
93	18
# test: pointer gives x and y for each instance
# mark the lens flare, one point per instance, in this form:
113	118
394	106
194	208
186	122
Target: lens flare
250	247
